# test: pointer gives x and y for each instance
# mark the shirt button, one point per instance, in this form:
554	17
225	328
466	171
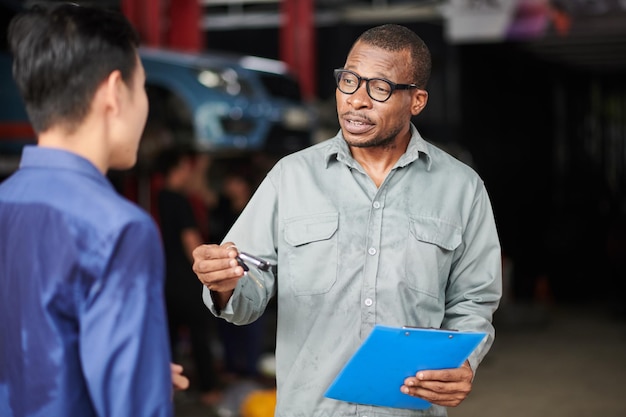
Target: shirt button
369	302
376	204
371	251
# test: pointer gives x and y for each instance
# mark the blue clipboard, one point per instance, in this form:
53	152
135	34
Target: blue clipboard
377	370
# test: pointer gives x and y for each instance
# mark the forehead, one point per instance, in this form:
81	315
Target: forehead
371	61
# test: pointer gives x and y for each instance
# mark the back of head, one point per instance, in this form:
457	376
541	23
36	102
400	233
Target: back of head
61	54
392	37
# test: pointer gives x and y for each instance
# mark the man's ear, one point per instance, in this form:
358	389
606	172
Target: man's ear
110	93
418	101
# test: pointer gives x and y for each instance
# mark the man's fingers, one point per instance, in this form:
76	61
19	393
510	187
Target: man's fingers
437	386
203	251
463	373
219	266
228	250
179	381
212	262
445	394
446	387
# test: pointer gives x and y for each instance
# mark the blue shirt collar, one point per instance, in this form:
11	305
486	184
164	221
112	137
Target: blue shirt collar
53	158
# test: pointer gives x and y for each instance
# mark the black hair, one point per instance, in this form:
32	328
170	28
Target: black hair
392	37
62	53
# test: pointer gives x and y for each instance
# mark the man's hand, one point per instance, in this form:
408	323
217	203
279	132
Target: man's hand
217	269
179	381
216	266
446	387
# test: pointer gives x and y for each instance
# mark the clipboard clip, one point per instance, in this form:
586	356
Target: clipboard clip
429	328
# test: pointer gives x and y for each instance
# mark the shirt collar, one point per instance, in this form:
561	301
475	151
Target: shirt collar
52	158
338	149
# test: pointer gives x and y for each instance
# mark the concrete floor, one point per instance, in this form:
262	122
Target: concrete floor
546	362
565	362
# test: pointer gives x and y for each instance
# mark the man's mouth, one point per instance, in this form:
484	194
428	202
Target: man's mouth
357	125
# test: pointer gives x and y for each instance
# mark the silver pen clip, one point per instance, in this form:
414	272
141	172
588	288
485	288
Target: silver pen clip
257	262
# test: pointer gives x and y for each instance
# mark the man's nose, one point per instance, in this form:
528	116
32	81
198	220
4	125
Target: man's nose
360	98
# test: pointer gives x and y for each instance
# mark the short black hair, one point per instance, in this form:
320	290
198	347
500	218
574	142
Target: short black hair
61	54
392	37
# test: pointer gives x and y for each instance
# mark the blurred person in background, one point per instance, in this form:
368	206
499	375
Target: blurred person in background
373	226
187	318
242	344
81	268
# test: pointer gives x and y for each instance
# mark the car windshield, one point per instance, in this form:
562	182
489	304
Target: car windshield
281	86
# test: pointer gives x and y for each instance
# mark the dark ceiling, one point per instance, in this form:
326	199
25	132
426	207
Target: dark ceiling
595	38
594	41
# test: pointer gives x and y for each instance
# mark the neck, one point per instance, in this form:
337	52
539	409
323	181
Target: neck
86	141
379	160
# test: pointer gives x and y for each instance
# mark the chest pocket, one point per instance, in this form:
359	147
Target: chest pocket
312	253
429	254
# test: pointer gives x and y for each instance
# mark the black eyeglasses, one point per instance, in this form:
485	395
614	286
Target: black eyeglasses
378	89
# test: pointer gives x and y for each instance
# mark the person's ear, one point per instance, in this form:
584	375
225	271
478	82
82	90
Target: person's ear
111	93
418	101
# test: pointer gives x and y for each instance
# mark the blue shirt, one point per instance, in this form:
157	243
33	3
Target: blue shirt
420	250
83	328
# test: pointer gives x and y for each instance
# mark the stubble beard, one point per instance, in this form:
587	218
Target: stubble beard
384	142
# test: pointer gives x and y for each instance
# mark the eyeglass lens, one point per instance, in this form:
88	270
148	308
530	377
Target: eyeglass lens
348	83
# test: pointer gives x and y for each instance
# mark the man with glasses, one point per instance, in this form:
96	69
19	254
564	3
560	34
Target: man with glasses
373	226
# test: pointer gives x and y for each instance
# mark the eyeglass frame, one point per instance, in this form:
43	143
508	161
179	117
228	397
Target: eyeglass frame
394	86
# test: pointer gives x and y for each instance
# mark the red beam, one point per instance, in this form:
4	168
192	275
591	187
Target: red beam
297	43
184	26
147	18
15	130
153	22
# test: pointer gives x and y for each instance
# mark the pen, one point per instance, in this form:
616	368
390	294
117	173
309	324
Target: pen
259	263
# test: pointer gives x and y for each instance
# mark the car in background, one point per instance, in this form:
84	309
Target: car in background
224	102
216	102
15	129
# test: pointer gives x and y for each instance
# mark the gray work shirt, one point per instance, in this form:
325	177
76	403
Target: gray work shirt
420	250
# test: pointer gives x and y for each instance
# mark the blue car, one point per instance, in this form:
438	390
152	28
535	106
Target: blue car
15	129
214	102
220	101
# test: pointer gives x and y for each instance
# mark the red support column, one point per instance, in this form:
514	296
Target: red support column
297	43
146	17
153	22
307	54
184	26
287	31
131	9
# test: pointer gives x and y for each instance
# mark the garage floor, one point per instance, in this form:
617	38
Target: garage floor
546	362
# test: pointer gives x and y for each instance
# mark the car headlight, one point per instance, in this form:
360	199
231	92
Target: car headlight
296	118
225	80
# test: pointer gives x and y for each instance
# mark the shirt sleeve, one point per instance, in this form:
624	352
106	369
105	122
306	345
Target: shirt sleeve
255	232
124	346
475	282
